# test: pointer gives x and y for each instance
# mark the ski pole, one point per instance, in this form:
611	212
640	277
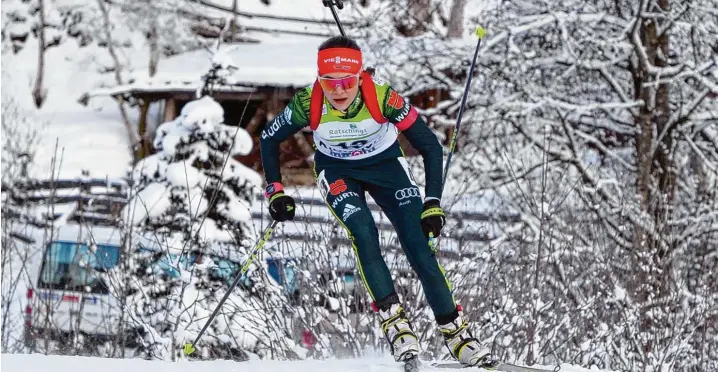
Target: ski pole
480	32
190	347
340	5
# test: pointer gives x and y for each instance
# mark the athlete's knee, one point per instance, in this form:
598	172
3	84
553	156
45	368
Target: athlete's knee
362	228
413	241
422	258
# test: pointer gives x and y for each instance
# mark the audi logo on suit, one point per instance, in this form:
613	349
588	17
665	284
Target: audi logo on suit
411	192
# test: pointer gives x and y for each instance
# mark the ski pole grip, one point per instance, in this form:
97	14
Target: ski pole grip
480	32
338	3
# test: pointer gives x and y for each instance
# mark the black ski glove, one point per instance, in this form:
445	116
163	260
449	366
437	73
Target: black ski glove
432	218
281	206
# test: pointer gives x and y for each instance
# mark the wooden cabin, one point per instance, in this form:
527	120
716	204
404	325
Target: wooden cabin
266	77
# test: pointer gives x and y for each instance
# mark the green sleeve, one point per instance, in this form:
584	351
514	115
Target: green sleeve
294	117
405	117
425	142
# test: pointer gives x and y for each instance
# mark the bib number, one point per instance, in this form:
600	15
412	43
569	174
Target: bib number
354	145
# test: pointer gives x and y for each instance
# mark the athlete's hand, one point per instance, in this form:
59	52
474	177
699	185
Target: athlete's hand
281	206
432	218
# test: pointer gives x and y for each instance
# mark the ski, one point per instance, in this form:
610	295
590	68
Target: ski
411	364
506	367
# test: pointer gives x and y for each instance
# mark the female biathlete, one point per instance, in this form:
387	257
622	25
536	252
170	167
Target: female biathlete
355	122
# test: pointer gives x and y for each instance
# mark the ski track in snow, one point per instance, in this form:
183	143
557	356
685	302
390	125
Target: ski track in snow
54	363
57	363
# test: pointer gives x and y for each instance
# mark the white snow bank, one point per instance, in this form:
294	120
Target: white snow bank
55	363
80	139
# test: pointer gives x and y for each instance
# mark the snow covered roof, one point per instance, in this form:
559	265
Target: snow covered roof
288	32
287	62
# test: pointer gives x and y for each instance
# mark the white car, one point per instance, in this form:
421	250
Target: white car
69	297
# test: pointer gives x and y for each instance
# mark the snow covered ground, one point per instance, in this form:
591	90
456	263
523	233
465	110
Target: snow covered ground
90	138
55	363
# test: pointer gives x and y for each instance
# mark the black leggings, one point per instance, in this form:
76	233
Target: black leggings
390	184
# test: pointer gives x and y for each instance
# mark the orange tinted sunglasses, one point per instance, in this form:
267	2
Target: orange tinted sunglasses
346	83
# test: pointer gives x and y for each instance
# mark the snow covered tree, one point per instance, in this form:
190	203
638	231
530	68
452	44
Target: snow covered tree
194	184
42	19
192	201
39	19
608	103
588	121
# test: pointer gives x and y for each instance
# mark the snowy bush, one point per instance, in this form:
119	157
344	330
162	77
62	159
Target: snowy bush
192	200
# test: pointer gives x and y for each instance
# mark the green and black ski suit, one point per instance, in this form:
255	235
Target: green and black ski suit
356	154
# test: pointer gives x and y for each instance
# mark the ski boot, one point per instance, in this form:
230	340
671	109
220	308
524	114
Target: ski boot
397	330
463	346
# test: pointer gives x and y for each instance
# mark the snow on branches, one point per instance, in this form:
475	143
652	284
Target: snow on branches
193	184
594	124
193	202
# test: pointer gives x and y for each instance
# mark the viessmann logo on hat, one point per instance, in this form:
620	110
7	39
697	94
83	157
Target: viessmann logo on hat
339	59
340	63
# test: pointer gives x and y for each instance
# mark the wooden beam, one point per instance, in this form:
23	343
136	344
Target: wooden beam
145	142
179	95
170	112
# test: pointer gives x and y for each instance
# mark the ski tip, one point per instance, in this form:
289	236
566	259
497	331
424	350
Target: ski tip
188	349
480	32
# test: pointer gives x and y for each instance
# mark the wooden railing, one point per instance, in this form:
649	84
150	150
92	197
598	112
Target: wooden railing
87	200
100	201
